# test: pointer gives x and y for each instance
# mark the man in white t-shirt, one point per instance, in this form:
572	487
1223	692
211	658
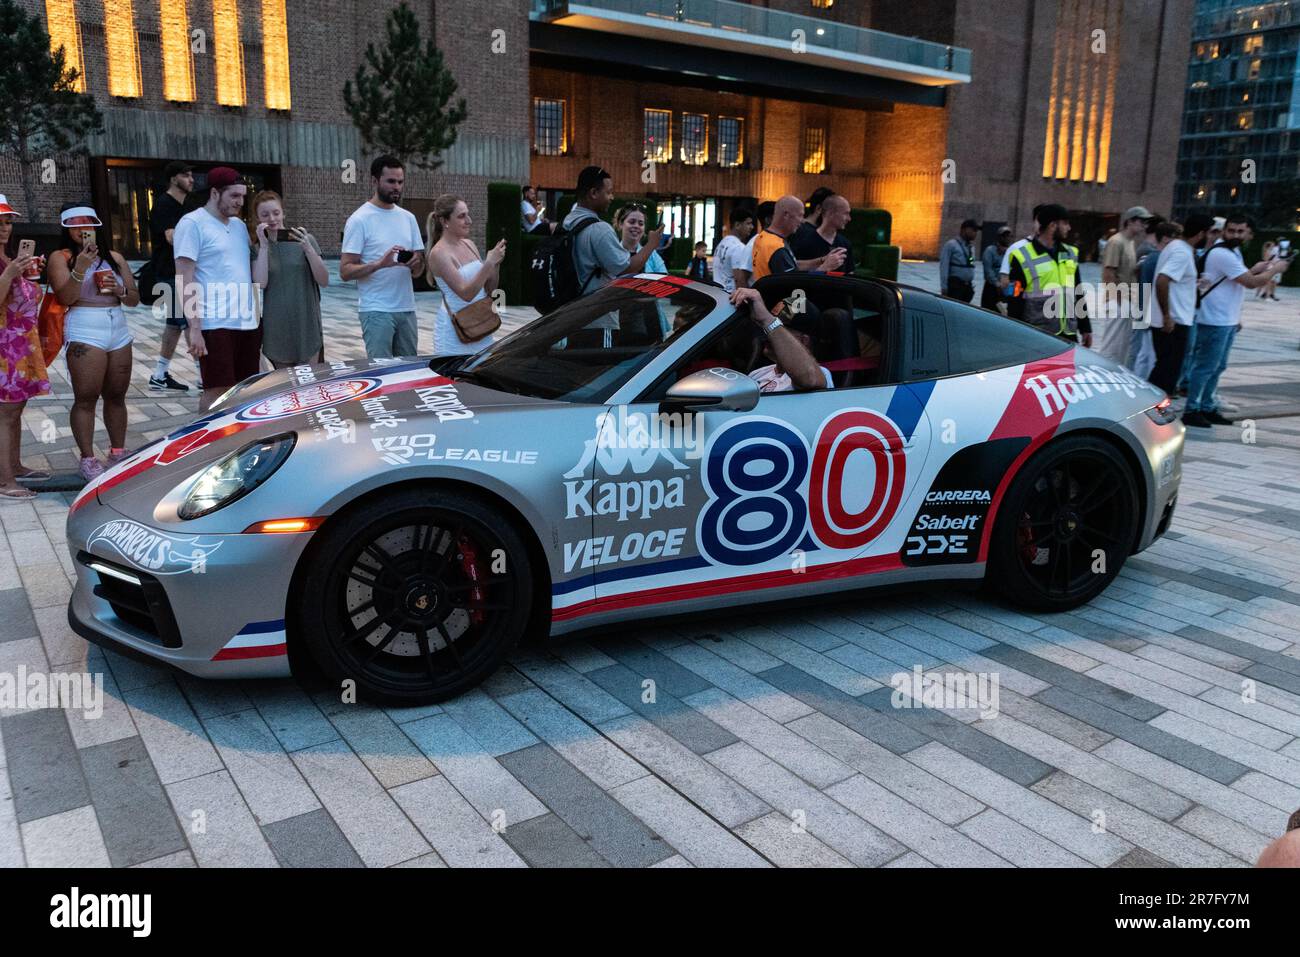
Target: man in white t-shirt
1224	282
730	252
212	260
1173	301
383	252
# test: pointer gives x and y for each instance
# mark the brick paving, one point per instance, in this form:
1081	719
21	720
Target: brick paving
1158	726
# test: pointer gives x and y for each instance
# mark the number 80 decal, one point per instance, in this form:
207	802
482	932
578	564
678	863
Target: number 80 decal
755	476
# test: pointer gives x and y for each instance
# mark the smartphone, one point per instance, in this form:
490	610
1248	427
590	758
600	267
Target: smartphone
26	247
282	235
404	256
1284	248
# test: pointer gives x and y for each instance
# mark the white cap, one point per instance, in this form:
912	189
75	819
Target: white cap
79	216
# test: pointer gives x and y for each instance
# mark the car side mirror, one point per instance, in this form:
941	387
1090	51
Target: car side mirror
719	389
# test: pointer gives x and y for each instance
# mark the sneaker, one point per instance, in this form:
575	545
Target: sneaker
1196	420
91	468
1216	418
166	383
115	457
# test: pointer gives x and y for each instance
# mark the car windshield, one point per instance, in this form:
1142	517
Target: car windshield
587	349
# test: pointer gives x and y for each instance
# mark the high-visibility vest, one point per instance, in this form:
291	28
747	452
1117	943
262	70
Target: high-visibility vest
1049	280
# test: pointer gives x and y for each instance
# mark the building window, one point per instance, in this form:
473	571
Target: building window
658	135
1246	120
275	54
814	149
1253	44
1252	72
548	126
228	53
695	139
823	4
177	61
61	22
120	45
1081	93
731	148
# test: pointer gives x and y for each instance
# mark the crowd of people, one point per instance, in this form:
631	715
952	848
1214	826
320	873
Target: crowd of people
1168	305
1189	282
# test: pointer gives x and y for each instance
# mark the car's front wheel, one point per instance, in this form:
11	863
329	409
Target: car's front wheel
1066	525
416	596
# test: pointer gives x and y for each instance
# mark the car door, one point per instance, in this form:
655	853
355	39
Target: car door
696	504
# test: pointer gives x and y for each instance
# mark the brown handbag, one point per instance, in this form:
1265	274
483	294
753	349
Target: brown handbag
476	321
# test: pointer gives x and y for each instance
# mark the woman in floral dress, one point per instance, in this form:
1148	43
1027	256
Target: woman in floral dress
22	367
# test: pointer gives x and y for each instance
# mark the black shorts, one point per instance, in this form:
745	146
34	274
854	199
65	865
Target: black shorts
233	355
174	310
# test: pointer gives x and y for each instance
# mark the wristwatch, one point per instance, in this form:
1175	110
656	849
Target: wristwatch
772	326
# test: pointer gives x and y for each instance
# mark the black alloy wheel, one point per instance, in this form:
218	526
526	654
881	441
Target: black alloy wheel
1066	526
417	596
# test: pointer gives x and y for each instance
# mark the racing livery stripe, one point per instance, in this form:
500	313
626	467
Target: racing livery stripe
907	405
724	586
258	639
1024	418
637	571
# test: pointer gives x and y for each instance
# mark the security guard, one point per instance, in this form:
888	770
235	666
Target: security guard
1043	272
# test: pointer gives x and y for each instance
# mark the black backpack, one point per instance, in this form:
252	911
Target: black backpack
554	270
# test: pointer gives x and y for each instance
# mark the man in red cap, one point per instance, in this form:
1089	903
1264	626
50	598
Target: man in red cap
213	263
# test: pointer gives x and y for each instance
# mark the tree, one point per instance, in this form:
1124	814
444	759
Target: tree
41	112
1279	206
400	95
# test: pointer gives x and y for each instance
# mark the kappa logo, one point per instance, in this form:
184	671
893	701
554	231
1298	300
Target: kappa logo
308	399
152	550
442	401
614	454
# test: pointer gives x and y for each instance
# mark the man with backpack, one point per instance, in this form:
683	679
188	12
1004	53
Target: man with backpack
585	253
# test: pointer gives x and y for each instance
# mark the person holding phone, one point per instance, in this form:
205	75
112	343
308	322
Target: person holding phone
22	366
630	223
382	253
460	273
95	282
288	268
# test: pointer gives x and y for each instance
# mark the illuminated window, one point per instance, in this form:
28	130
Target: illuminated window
177	62
275	54
731	141
548	126
695	139
123	53
61	21
823	4
1081	97
814	149
1246	120
1253	44
658	135
1252	72
228	53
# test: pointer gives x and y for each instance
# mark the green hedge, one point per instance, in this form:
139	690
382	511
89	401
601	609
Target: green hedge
878	262
503	222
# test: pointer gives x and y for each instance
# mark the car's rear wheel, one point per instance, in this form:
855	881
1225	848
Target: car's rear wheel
1066	525
416	596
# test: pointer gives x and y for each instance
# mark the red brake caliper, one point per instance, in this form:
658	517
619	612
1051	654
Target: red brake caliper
469	564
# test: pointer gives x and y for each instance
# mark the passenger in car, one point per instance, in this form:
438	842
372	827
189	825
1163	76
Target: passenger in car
793	365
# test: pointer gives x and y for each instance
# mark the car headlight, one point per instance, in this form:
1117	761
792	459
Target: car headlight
234	476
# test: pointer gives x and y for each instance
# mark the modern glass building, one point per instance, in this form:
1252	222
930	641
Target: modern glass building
1241	118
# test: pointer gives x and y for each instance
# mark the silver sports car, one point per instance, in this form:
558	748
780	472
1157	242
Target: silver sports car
404	522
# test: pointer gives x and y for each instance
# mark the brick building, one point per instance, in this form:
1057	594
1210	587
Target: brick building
933	109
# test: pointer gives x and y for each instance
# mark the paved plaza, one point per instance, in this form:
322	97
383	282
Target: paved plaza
1158	726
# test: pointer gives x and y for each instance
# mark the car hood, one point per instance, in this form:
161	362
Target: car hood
315	402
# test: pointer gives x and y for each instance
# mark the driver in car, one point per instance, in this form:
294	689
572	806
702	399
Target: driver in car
793	366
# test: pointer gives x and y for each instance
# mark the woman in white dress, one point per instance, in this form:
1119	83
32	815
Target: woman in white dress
461	274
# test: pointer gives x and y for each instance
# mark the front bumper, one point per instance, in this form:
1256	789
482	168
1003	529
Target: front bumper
211	605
